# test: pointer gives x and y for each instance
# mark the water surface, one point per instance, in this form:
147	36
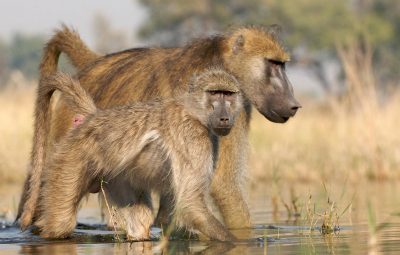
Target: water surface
276	230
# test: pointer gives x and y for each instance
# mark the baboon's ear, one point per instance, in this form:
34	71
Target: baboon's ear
275	30
238	45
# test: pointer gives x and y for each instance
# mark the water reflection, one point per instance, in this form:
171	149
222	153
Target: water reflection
272	233
282	239
126	248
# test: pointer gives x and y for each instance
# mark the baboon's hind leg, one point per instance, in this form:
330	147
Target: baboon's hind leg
61	193
165	210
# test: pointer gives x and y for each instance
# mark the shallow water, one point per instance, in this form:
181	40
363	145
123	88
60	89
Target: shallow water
273	231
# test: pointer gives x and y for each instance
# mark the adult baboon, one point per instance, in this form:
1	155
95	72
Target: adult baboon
166	145
251	54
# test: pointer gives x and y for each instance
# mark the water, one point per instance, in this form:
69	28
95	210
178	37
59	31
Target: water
274	232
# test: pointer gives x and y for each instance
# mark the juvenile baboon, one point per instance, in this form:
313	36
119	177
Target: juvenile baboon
169	146
251	54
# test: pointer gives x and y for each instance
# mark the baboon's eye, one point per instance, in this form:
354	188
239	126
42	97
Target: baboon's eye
221	92
276	63
228	93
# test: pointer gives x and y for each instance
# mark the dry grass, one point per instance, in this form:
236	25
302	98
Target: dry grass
351	138
16	129
326	141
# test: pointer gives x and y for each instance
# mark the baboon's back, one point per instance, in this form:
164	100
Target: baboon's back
141	74
147	73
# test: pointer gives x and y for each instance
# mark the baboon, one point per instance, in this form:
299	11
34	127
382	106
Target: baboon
251	54
169	146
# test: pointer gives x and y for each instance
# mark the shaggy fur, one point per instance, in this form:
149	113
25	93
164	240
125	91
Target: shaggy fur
146	144
251	54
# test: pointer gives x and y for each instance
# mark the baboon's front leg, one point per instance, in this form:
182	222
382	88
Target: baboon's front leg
199	217
227	183
190	207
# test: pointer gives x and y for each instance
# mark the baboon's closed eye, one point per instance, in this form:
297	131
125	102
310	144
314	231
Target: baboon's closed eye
277	63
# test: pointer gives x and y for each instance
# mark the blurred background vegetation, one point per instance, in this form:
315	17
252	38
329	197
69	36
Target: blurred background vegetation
350	48
313	30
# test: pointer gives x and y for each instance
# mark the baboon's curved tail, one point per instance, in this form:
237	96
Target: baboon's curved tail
80	101
30	194
65	41
76	97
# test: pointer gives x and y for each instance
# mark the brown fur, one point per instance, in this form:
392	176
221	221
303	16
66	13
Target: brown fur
168	146
69	42
251	54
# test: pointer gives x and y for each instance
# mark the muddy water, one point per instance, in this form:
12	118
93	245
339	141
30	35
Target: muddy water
281	213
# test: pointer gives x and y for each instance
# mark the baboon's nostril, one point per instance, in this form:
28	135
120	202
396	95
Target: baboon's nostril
224	120
294	107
